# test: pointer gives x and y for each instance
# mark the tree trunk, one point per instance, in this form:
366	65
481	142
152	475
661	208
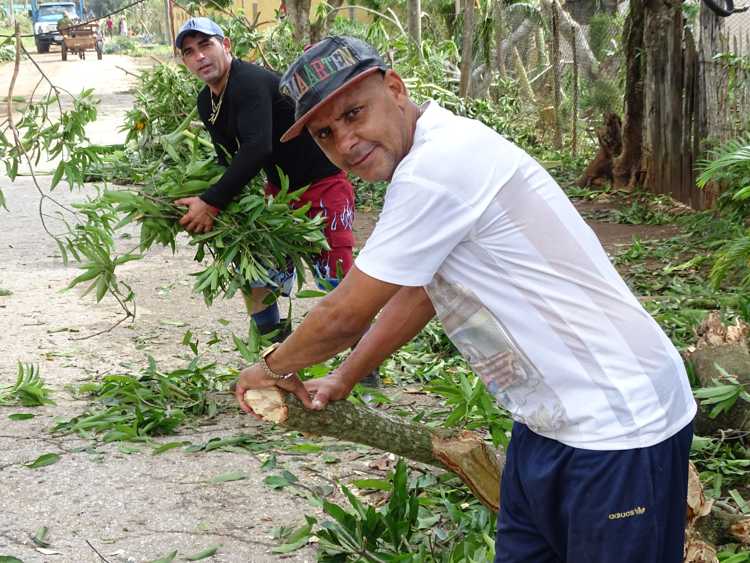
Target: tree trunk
734	359
414	17
463	453
711	113
712	78
627	167
662	99
319	28
298	12
467	49
498	15
522	78
556	72
574	132
664	81
541	55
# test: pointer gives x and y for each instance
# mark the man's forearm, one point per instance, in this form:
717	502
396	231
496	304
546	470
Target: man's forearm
245	165
336	323
400	320
322	335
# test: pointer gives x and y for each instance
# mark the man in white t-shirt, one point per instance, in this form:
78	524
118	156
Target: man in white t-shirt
475	231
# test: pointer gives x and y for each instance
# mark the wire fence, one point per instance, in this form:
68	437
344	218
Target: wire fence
567	70
732	84
585	62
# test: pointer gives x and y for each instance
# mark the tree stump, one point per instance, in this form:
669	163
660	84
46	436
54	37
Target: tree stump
599	170
725	347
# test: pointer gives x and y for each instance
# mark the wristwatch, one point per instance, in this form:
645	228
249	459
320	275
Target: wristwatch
264	364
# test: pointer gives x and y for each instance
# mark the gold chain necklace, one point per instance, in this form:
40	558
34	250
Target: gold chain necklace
216	106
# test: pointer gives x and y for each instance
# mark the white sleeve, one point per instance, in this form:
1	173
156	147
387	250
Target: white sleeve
421	223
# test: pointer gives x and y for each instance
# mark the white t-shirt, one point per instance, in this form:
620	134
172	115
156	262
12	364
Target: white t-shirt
525	290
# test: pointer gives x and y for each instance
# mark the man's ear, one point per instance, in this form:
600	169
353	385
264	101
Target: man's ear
227	43
395	85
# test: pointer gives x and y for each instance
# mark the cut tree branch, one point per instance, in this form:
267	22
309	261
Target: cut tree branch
463	453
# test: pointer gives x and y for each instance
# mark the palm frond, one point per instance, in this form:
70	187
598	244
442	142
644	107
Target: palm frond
734	256
730	162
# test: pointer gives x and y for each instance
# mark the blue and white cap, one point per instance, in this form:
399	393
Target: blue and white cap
206	26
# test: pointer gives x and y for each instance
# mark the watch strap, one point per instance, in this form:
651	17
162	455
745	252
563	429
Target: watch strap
266	368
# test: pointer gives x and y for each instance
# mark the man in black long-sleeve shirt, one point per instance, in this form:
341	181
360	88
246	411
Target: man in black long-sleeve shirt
246	115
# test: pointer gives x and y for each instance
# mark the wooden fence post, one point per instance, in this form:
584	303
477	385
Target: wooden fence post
556	79
574	140
467	49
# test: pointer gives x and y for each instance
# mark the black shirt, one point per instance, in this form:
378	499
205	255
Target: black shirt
252	118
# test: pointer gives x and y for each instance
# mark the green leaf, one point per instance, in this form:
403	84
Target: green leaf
741	502
57	176
40	538
21	416
168	446
280	481
204	554
167	558
63	252
187	338
269	464
9	559
376	484
292	546
310	293
230	476
43	460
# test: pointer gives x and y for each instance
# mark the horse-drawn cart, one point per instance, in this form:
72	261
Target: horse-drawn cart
79	38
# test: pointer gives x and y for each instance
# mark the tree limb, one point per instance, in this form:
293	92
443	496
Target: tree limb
463	453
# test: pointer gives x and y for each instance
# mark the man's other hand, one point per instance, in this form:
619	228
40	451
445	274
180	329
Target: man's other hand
200	215
332	387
